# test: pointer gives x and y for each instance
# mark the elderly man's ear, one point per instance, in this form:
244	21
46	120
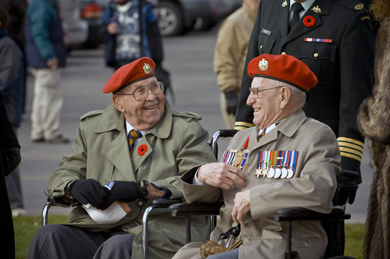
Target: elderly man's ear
285	95
118	102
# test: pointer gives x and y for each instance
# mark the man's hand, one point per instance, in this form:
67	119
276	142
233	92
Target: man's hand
123	191
221	175
88	191
113	28
153	193
231	102
241	206
52	63
13	159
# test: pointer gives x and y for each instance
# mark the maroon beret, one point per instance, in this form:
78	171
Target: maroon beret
283	68
135	71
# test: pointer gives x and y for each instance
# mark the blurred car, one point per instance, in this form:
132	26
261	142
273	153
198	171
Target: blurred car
179	16
91	12
75	29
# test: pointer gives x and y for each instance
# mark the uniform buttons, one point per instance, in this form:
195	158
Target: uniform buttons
283	53
261	47
315	55
140	203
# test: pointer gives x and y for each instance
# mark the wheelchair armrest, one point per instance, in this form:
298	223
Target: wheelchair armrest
195	209
165	203
294	214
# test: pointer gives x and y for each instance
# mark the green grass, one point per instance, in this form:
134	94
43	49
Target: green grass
25	227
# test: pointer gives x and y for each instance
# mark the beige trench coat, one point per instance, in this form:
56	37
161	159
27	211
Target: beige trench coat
312	187
100	151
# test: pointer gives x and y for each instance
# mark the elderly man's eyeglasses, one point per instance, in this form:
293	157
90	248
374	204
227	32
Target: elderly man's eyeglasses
256	92
141	93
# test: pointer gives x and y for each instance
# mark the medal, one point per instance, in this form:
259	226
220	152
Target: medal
284	173
278	172
290	173
265	172
258	173
271	173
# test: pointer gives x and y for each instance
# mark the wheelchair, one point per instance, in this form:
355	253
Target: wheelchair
333	223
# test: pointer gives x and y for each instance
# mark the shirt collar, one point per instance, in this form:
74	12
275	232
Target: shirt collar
306	5
267	130
129	128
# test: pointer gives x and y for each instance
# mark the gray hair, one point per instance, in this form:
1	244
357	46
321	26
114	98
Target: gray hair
297	95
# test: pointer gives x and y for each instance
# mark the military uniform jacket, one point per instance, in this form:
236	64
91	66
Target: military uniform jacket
312	187
100	151
344	67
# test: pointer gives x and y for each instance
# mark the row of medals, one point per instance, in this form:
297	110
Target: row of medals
277	172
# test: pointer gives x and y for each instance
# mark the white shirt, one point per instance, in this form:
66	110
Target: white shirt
306	5
129	128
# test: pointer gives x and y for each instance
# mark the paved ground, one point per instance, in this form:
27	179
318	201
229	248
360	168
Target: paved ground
190	61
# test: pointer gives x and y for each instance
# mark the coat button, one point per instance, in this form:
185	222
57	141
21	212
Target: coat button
315	55
283	53
261	47
140	203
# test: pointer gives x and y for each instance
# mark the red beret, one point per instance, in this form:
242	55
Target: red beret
283	68
135	71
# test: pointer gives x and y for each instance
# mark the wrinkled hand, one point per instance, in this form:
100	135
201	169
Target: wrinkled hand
122	191
113	28
231	102
241	206
88	191
13	159
153	193
346	190
221	175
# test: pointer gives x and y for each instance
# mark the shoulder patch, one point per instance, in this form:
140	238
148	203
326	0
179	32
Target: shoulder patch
90	114
352	4
186	115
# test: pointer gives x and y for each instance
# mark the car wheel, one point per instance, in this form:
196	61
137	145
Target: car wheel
170	19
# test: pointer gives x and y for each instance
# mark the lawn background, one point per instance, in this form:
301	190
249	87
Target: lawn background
25	227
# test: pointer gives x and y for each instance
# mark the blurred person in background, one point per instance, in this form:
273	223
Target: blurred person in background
46	53
13	92
229	56
374	122
132	32
17	12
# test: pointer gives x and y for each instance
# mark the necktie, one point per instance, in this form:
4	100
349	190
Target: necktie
296	8
260	136
133	135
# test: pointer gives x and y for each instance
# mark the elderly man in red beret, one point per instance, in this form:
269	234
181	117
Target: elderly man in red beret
138	147
286	160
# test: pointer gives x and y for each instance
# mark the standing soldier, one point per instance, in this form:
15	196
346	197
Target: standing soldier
336	40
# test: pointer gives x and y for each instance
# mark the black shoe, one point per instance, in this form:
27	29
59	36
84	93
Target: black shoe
38	140
58	140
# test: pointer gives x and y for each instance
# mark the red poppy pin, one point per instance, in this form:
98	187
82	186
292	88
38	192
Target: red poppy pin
142	149
309	21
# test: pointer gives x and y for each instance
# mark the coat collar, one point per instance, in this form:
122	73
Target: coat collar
287	127
248	11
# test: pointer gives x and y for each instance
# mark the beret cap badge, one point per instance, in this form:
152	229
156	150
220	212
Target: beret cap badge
263	65
147	68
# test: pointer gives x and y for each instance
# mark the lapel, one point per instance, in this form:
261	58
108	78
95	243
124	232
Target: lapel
300	28
117	151
282	18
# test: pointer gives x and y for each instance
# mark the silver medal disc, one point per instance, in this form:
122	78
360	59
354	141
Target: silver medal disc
278	172
271	173
284	173
290	173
